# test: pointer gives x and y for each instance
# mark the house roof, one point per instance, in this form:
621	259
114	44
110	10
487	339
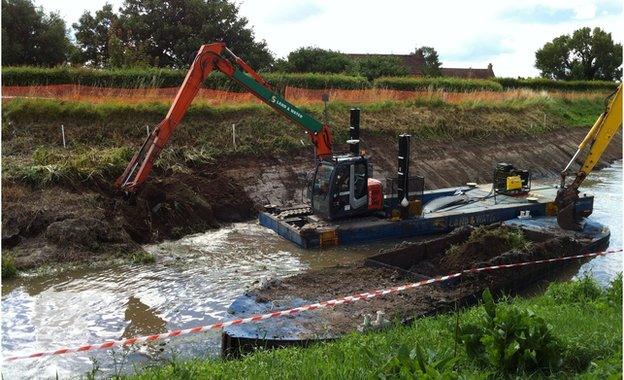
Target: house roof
415	62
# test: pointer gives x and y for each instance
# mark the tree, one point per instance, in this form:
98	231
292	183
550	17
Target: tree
173	30
93	35
32	37
431	61
317	60
167	33
378	66
586	55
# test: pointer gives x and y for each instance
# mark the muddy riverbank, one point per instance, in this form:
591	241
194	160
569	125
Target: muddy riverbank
87	221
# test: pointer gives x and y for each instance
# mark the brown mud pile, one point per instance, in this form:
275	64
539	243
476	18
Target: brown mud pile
90	221
63	224
328	283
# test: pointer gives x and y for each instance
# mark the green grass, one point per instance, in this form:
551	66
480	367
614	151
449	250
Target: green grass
58	165
588	331
579	112
8	266
142	257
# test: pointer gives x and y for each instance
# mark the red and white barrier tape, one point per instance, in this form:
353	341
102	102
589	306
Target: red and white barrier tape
320	305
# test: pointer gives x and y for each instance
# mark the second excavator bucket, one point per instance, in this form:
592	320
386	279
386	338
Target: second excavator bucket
567	218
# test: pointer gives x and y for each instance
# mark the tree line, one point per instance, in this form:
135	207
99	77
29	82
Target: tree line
167	33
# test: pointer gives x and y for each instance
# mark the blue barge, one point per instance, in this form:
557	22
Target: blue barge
439	211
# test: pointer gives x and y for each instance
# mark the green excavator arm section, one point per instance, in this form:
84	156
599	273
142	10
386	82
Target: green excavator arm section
278	103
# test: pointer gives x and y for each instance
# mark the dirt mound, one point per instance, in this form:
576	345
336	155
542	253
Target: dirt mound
328	283
483	244
73	224
87	233
479	245
183	204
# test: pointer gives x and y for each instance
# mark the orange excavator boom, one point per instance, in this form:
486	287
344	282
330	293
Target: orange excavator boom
212	57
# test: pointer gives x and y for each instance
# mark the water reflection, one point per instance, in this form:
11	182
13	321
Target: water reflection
142	319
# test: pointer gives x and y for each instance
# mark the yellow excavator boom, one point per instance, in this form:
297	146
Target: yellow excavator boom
600	135
598	138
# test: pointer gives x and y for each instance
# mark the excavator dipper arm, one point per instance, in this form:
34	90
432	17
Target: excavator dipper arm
211	57
598	138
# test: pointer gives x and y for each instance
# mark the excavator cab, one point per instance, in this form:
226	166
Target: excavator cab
340	187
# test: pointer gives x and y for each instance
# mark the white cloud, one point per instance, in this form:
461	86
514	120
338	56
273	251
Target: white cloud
585	11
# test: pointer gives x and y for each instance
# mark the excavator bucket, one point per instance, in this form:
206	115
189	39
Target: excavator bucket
567	219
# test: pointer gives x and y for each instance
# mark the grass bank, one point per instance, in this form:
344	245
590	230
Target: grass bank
574	330
101	138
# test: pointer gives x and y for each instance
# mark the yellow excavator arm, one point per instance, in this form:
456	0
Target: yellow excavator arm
598	138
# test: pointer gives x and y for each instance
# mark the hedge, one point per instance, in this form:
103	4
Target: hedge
549	84
154	78
441	83
126	78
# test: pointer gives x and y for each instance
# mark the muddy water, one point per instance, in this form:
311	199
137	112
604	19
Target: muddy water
192	283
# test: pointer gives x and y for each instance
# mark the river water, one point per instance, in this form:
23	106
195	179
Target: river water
192	283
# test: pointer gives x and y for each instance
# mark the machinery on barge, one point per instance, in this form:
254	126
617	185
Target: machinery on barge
347	205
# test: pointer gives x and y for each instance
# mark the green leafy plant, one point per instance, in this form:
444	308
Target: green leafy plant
510	339
416	363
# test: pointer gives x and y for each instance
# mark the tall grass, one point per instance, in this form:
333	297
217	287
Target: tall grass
578	108
57	165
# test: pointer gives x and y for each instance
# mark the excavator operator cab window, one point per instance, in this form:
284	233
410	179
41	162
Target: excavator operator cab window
342	179
321	187
360	180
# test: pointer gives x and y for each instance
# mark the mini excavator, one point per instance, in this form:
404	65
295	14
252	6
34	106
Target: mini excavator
346	177
598	138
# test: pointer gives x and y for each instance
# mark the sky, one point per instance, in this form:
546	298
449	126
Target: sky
465	33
